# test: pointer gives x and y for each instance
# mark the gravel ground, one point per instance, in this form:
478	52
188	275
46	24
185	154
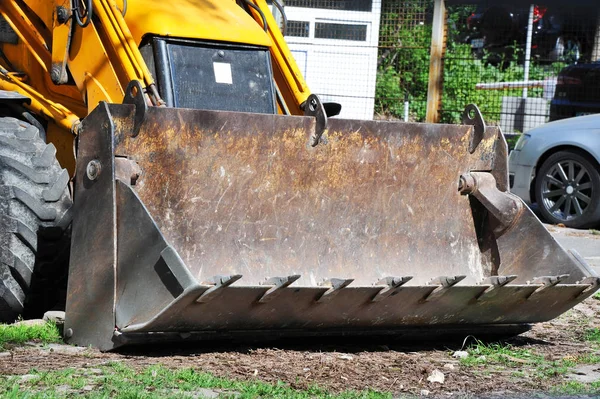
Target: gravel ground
385	366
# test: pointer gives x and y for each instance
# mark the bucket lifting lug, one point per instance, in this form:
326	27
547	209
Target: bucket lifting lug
472	116
313	107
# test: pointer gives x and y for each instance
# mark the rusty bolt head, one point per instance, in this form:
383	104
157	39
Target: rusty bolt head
94	167
466	184
62	14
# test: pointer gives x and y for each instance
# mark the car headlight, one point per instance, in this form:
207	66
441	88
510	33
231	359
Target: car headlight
522	141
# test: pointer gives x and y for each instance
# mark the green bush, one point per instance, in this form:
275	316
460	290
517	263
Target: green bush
403	68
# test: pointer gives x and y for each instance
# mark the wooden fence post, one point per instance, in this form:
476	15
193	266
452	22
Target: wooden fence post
436	66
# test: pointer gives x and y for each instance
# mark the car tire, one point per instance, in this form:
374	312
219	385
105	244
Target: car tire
35	218
567	189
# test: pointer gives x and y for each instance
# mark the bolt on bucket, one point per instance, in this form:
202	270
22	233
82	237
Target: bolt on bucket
208	224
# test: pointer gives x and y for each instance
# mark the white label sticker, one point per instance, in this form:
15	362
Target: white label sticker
222	72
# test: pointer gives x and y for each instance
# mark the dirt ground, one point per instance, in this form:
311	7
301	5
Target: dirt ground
385	366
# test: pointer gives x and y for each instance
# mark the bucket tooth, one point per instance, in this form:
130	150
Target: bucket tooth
277	284
499	281
335	286
546	282
549	281
389	286
446	281
495	282
217	283
592	282
443	283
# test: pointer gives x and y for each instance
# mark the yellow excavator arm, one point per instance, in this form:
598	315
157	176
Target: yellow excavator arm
70	56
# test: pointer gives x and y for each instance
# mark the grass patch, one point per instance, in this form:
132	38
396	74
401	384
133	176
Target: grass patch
17	334
577	388
121	381
592	334
595	232
504	354
524	363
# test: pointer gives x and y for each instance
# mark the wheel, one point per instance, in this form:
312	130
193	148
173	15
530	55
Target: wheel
566	49
567	189
35	216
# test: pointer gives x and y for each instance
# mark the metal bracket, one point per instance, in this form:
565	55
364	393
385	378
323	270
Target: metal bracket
218	283
335	286
389	286
277	283
134	94
472	116
314	107
504	207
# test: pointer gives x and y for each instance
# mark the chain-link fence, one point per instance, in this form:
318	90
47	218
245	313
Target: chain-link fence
512	60
335	46
522	64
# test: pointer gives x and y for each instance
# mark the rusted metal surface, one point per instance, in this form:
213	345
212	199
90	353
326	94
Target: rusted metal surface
91	284
241	194
237	224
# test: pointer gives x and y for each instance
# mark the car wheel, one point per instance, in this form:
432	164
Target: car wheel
567	190
566	49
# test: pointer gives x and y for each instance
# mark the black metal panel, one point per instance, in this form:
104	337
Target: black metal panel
211	76
90	318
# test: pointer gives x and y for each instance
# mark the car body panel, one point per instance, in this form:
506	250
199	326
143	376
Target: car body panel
580	132
577	91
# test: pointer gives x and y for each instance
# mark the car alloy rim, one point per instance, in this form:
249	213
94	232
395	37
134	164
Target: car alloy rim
567	190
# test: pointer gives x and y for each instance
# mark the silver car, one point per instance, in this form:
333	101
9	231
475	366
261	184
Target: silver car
557	166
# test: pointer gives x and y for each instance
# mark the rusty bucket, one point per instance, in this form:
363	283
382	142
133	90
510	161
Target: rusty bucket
207	224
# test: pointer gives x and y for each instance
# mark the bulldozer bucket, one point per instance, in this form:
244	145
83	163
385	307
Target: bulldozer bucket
207	224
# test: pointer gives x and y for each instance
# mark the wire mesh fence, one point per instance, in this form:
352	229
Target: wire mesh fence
510	59
522	64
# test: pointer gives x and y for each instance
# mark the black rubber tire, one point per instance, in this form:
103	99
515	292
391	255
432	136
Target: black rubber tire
590	215
35	218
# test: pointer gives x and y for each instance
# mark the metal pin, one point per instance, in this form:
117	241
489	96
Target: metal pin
218	283
389	286
277	283
335	286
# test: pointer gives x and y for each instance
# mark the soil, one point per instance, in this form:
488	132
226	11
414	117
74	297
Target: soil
340	365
